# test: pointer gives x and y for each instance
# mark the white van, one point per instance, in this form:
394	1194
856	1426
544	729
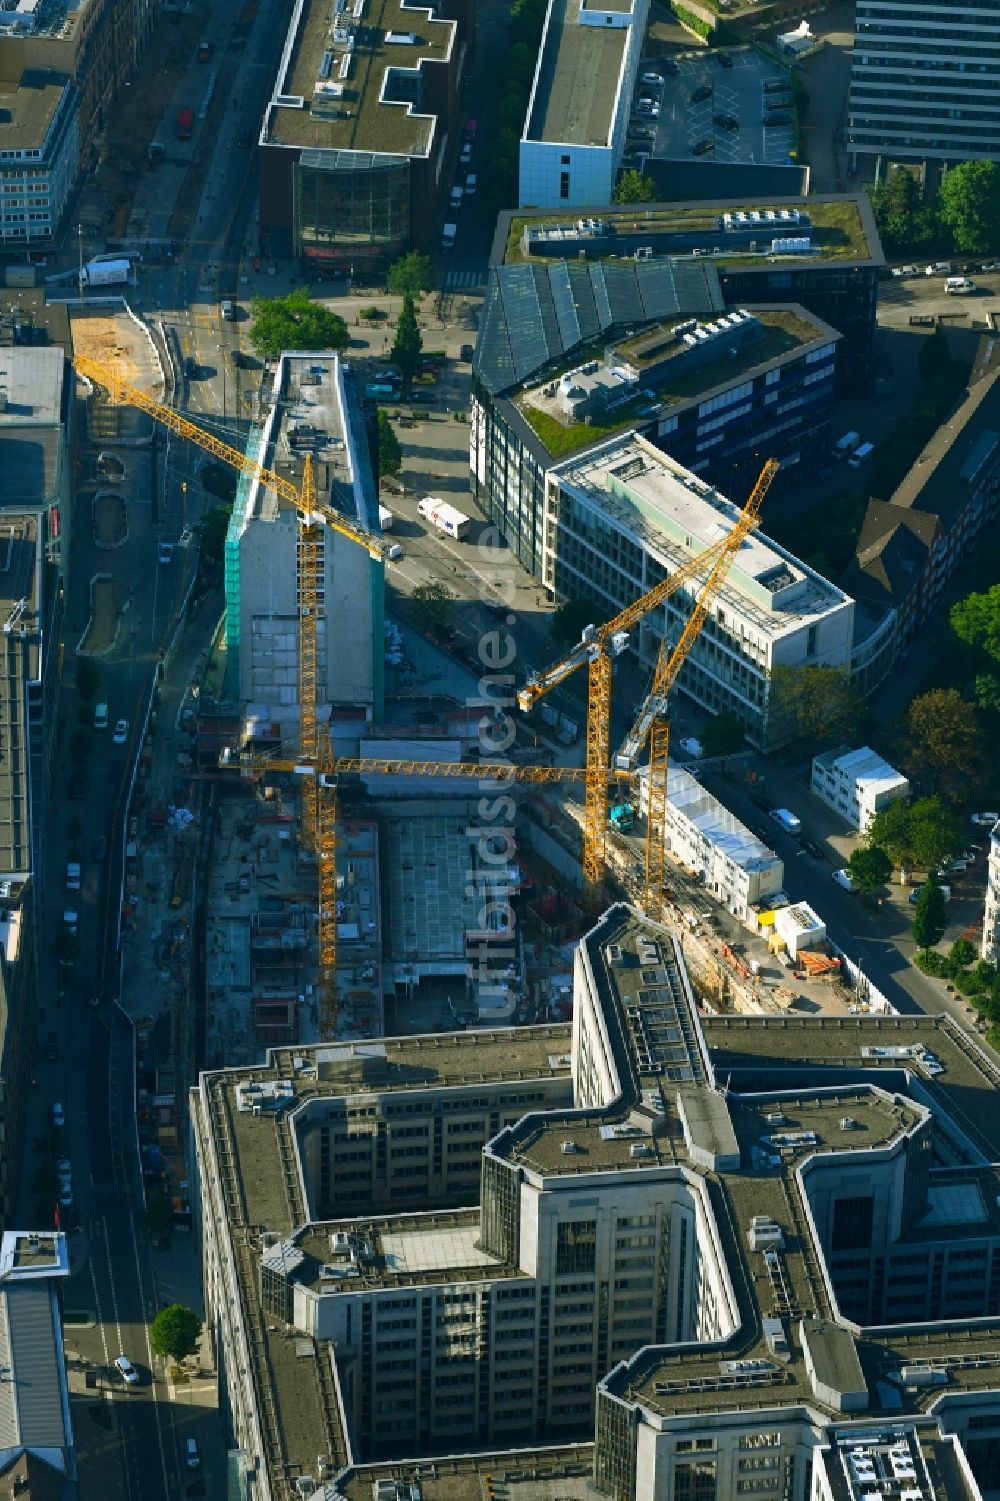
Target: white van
861	455
100	716
959	286
843	878
470	185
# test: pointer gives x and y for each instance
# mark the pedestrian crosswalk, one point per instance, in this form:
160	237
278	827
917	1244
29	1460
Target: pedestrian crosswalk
464	281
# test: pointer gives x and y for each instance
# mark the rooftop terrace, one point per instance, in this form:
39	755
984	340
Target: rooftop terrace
354	83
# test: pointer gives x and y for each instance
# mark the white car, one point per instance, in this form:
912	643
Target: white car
651	78
692	746
985	820
58	1115
843	878
126	1370
121	732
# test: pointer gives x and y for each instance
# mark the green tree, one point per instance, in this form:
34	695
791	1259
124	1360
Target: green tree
175	1331
917	834
961	954
212	530
869	867
159	1214
411	273
433	605
944	746
722	736
634	187
969	204
571	618
407	344
294	322
986	689
88	679
930	918
390	455
65	947
976	621
815	705
79	745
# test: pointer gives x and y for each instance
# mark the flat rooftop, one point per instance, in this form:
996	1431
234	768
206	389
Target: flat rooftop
316	409
353	100
754	1047
639	488
20	663
564	1474
715	823
667	382
841	229
28	110
864	766
415	1249
578	78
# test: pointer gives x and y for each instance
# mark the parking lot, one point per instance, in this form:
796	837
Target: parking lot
716	112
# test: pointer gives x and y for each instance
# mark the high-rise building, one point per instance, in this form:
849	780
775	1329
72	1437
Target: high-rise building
749	1255
925	81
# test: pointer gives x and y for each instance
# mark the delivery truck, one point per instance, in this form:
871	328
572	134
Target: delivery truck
105	274
445	517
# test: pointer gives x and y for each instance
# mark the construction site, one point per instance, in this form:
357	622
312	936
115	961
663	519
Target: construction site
344	877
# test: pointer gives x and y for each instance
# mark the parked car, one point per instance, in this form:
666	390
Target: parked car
985	820
702	93
58	1114
121	732
651	78
727	122
704	145
692	746
467	351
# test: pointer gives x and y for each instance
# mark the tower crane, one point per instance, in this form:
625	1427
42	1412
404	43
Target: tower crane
597	648
314	515
323	774
651	720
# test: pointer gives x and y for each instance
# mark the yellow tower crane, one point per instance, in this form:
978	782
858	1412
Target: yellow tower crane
598	647
651	720
324	775
314	515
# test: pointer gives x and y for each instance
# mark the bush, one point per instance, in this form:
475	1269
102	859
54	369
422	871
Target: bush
933	963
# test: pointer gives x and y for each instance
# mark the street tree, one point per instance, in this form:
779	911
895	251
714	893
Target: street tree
813	706
571	618
175	1331
976	621
944	749
66	947
211	531
919	834
433	605
294	321
969	205
88	679
390	455
411	273
407	344
869	867
930	918
79	745
634	187
722	736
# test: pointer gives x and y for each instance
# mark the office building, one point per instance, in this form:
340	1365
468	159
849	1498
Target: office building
727	1248
578	111
38	1456
925	82
822	252
911	544
314	408
361	130
568	355
702	835
95	43
991	915
624	514
857	784
39	151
